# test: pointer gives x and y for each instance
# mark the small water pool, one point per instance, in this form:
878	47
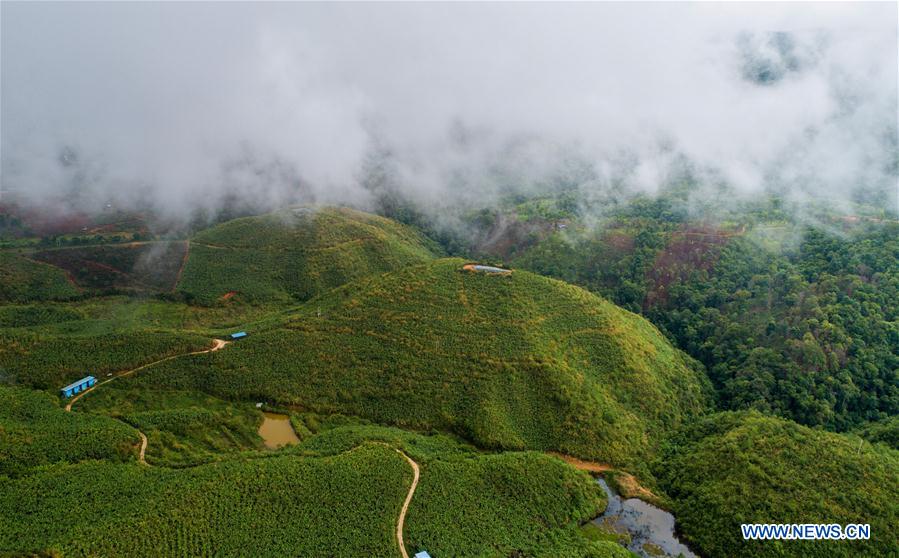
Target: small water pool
651	529
276	431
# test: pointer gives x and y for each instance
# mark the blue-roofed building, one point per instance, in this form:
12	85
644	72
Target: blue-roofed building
78	387
423	554
238	335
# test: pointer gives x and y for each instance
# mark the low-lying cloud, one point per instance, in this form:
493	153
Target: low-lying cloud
187	105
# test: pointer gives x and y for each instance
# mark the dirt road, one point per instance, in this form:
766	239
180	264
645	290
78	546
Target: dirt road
143	448
217	344
589	466
402	519
183	265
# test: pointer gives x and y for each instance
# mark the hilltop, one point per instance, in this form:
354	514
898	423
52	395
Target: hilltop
295	254
509	361
286	256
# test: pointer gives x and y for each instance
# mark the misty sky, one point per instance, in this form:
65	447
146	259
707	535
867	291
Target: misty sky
181	104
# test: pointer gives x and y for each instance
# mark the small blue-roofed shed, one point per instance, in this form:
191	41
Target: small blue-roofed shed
423	554
78	387
238	335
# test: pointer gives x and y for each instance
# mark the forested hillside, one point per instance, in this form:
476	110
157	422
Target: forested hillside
734	468
796	320
449	279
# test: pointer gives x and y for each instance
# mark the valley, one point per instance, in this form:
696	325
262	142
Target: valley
457	279
431	406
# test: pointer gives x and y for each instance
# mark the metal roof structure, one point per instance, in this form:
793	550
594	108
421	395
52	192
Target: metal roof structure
84	380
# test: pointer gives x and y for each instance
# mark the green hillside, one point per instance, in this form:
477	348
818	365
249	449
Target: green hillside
503	498
515	361
335	506
471	503
47	345
128	267
337	494
295	254
184	428
885	431
44	360
23	280
789	318
35	430
734	468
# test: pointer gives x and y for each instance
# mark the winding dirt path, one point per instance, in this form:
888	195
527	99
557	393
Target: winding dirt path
217	344
141	458
416	473
402	519
143	448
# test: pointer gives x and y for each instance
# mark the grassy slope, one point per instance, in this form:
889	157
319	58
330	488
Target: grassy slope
337	494
508	500
22	280
35	431
99	315
184	428
471	503
509	362
337	506
734	468
147	266
295	254
48	361
47	345
52	341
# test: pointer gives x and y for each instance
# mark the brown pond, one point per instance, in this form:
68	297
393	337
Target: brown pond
276	431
